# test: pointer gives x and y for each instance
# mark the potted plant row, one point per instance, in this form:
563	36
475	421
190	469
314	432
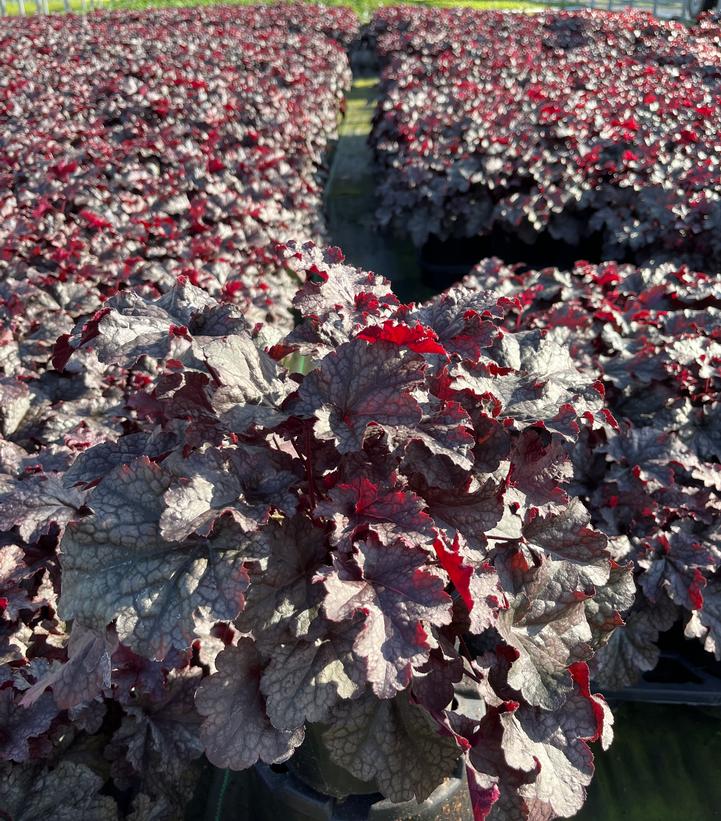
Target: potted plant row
652	485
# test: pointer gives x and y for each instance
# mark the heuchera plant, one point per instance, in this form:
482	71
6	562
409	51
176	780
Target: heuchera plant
358	535
560	124
653	484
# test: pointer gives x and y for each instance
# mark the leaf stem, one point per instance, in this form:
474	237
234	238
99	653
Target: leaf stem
221	795
469	657
309	463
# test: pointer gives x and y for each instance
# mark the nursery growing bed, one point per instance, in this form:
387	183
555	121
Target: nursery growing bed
568	123
178	142
369	475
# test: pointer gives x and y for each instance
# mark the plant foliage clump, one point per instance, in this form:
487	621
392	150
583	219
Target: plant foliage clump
344	543
136	149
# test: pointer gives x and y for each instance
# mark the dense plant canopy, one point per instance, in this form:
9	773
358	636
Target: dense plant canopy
136	148
139	147
653	484
246	493
566	123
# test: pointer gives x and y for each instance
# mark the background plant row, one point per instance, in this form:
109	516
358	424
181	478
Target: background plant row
570	126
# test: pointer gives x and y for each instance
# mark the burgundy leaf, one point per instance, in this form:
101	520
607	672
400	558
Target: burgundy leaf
393	743
400	598
236	731
387	512
359	385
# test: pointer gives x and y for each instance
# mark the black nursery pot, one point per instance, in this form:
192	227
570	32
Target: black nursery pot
445	262
311	787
